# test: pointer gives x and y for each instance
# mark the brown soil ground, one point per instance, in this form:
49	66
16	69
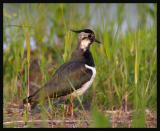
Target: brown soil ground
12	117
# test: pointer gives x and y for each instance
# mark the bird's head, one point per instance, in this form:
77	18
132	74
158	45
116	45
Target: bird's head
85	38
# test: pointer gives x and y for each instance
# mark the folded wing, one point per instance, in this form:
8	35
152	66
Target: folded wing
69	77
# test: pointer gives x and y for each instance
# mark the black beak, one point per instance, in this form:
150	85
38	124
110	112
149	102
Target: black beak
97	41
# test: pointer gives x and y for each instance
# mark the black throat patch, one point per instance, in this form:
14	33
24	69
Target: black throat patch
89	58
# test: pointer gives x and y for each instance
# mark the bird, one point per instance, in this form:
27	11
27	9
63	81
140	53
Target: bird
72	78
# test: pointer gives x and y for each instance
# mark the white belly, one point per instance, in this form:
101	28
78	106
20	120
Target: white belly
85	86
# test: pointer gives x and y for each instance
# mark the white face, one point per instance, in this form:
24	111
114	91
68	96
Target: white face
84	44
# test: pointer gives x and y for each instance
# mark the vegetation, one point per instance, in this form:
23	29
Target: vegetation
37	40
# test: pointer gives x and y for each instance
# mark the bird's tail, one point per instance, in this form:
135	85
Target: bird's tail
27	100
31	101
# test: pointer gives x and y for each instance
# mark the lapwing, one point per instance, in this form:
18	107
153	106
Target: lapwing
72	78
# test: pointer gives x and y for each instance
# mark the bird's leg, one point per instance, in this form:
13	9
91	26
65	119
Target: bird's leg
71	106
65	106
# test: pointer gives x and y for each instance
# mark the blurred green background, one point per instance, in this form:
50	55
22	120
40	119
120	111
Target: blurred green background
125	62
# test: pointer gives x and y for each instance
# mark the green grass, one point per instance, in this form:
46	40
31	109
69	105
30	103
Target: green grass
126	63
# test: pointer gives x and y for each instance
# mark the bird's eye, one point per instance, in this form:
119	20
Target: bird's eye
89	35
